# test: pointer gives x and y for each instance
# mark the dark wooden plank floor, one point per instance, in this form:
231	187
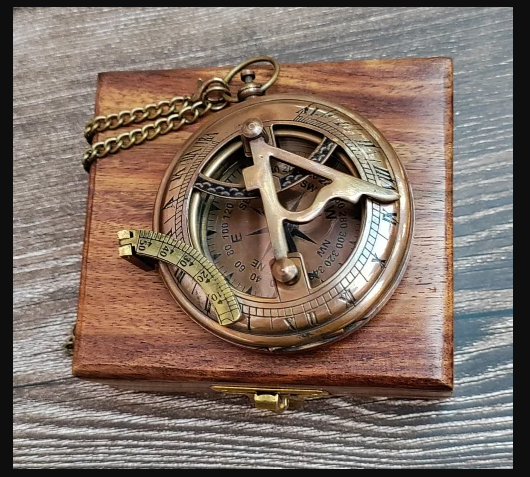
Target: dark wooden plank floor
59	421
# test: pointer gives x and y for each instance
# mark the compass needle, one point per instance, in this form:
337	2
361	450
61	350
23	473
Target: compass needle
298	233
264	230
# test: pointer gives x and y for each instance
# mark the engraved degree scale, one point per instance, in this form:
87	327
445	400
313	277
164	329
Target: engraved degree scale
283	224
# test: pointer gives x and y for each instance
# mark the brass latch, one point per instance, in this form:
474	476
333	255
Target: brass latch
274	399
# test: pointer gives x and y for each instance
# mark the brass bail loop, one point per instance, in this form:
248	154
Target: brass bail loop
250	88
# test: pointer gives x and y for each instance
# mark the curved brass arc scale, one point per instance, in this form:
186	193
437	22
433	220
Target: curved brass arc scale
143	247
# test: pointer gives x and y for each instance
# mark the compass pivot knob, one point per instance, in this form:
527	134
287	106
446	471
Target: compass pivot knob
284	270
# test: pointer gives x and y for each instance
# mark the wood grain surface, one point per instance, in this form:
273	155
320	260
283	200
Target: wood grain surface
129	326
62	422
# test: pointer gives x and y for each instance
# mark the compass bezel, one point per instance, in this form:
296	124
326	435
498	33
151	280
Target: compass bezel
363	309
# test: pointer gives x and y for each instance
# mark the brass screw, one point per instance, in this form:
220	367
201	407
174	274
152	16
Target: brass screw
247	76
252	128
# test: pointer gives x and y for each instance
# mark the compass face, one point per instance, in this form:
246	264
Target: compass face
232	229
346	219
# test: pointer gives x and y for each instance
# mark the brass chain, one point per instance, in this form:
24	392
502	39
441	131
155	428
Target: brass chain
170	115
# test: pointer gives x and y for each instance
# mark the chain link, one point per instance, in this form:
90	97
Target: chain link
211	95
169	115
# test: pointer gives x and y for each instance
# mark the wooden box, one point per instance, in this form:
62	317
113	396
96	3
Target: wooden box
129	329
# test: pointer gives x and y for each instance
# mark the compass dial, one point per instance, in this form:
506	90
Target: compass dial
235	234
319	187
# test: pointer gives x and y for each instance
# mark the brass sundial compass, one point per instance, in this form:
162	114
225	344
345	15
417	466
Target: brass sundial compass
284	223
